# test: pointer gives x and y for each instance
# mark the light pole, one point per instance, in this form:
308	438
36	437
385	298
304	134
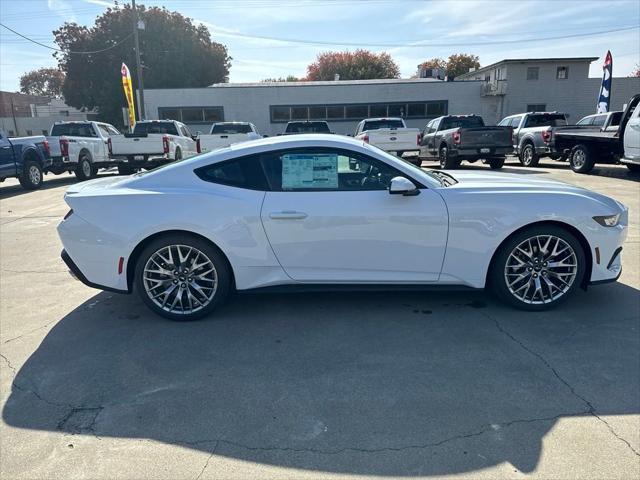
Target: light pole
136	47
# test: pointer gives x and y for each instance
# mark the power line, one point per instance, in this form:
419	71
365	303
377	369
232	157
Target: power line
64	51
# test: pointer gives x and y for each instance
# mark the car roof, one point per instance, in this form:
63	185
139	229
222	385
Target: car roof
301	140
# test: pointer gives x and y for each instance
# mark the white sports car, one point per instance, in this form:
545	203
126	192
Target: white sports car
330	210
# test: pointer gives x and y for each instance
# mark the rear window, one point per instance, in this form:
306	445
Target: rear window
546	120
615	118
155	127
231	128
307	127
378	124
461	122
242	172
73	130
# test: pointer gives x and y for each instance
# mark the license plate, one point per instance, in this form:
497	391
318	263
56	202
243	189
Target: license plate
485	150
138	157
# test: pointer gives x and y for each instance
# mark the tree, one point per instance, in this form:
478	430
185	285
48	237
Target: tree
455	65
358	65
44	81
636	72
288	78
175	53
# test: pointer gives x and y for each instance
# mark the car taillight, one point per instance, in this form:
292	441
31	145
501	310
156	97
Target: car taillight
165	144
419	139
46	147
110	146
456	137
198	148
69	213
546	136
365	139
64	147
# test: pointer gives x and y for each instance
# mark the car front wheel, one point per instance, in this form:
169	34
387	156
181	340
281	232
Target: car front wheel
538	268
182	277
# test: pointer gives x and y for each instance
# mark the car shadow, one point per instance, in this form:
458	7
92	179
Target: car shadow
50	181
400	383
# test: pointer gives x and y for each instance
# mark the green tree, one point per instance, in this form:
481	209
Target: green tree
358	65
44	81
175	53
455	65
288	78
636	72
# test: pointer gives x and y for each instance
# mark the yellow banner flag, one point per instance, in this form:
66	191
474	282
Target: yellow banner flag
128	92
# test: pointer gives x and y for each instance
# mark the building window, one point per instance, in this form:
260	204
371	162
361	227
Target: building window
192	114
286	113
536	107
532	73
562	73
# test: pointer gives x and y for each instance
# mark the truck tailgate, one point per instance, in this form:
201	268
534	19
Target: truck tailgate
215	141
149	145
486	137
391	139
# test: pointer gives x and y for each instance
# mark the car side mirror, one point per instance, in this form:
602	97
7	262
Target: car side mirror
403	186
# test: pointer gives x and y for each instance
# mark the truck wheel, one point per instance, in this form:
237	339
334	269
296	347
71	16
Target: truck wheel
582	159
31	176
126	169
528	156
445	160
85	169
634	168
496	162
178	155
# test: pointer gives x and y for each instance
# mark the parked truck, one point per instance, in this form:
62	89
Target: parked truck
609	121
586	147
533	135
24	158
153	143
80	147
223	134
454	138
307	126
390	135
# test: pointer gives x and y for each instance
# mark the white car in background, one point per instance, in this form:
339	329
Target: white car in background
332	210
223	134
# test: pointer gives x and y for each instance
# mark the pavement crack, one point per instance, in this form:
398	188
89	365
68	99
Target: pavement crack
206	464
591	410
11	367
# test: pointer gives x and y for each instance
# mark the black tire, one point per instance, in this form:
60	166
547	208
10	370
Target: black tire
497	274
222	272
31	176
178	155
528	156
582	159
496	163
125	169
446	161
85	169
633	167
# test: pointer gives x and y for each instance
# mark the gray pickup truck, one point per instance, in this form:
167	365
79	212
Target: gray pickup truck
533	135
454	138
24	158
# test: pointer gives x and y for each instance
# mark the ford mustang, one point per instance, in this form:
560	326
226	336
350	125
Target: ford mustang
328	210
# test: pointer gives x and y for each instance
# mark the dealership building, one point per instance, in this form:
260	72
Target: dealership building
495	91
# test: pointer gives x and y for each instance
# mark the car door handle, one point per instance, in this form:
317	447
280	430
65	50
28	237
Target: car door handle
287	215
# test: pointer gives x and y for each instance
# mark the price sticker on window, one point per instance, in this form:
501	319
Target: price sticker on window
302	171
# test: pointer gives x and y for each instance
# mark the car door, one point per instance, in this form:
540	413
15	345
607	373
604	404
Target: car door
432	148
515	124
330	218
7	164
103	145
632	135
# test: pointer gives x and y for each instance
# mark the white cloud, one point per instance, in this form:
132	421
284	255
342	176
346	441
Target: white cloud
63	9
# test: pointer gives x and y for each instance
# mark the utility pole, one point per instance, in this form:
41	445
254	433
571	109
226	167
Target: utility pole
136	47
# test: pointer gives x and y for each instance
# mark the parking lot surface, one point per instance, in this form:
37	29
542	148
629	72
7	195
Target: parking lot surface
324	385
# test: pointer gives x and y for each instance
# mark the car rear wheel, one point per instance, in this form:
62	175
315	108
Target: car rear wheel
31	176
446	161
182	277
538	268
496	163
528	156
85	169
582	159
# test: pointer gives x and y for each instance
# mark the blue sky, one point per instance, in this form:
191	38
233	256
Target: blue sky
409	25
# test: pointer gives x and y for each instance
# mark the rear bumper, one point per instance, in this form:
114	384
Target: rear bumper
476	152
78	275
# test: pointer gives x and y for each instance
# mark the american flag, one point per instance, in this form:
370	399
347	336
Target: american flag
605	89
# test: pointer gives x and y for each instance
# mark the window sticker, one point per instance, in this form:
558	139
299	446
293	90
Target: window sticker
309	171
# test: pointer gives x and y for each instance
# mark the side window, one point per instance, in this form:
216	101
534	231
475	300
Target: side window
104	130
305	170
505	122
586	121
599	120
243	172
515	122
112	130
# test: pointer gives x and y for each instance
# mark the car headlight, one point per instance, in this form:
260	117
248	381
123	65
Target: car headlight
608	220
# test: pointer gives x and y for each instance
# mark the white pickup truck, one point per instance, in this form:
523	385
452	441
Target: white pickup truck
223	134
80	147
153	143
389	134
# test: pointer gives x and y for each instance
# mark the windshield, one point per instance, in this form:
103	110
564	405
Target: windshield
73	130
461	122
546	120
230	128
386	123
155	127
308	127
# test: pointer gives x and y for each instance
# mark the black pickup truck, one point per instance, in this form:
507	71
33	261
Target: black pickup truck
454	138
25	158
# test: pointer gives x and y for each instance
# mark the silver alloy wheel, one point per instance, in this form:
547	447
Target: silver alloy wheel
527	155
34	175
86	168
180	279
578	158
541	269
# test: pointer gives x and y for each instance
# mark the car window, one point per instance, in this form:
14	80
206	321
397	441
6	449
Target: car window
505	122
231	128
73	130
325	169
585	121
385	123
546	120
307	127
461	122
515	121
155	127
599	120
616	117
243	172
104	130
113	130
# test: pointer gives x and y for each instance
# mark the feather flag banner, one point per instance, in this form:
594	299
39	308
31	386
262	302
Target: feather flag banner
605	88
128	93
